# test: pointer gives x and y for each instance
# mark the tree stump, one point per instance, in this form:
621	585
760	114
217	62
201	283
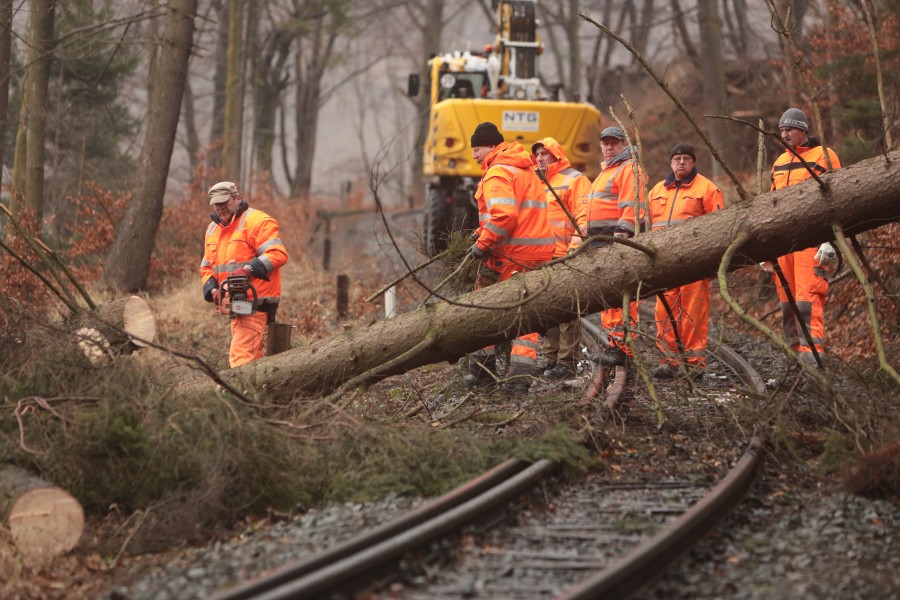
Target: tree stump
44	520
278	338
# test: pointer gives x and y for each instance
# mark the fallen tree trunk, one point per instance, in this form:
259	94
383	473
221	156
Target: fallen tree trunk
860	197
119	327
44	520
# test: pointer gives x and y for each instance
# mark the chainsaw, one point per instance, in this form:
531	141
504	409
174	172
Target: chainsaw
240	297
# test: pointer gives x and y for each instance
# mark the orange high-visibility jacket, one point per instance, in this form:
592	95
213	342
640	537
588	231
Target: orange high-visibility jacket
250	234
571	186
512	209
610	205
670	202
789	170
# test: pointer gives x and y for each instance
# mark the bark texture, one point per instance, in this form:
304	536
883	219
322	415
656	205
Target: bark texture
861	197
44	520
129	256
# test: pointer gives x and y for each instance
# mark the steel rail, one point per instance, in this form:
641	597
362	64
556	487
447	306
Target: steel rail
335	568
648	560
339	574
442	504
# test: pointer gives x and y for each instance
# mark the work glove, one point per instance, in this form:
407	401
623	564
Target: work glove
242	272
620	234
767	267
209	287
476	252
258	269
825	254
215	296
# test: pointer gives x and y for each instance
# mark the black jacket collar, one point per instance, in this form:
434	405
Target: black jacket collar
670	178
242	208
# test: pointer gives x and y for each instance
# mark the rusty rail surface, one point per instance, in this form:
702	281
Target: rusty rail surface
647	561
352	559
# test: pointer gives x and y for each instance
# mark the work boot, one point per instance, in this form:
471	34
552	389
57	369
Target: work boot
692	372
808	358
482	370
518	380
666	371
613	356
559	371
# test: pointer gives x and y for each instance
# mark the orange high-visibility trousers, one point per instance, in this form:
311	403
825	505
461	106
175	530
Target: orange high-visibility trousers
690	307
809	288
247	338
611	318
523	356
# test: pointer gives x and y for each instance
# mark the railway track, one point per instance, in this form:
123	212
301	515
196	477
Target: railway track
596	538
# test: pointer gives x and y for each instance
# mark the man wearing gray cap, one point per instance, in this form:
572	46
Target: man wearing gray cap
610	209
804	269
242	242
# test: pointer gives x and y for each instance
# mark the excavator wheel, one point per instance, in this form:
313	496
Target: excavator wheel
436	221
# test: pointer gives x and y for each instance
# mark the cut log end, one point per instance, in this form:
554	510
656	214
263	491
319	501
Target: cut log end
45	523
137	320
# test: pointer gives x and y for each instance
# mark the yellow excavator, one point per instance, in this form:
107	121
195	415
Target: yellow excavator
499	85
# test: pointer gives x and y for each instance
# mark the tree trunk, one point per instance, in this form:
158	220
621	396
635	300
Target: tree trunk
192	138
234	92
40	55
306	114
5	54
431	44
129	257
269	83
860	197
44	521
715	96
220	79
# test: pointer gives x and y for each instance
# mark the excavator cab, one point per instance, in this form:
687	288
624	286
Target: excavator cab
500	85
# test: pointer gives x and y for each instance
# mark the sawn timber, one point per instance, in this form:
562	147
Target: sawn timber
861	197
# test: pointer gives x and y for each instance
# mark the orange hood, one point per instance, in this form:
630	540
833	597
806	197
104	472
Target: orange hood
556	150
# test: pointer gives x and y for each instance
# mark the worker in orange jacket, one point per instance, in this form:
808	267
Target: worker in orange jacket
513	236
242	241
682	195
610	208
568	188
804	270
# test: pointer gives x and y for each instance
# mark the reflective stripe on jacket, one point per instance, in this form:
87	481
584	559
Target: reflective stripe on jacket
250	234
789	170
671	202
512	209
610	206
571	186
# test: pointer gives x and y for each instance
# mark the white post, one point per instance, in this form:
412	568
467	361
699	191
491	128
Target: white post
390	303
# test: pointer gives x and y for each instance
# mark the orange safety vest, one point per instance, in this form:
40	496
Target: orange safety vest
571	186
671	202
789	170
610	205
512	209
807	282
230	246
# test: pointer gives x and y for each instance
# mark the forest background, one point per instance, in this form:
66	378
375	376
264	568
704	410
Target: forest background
108	147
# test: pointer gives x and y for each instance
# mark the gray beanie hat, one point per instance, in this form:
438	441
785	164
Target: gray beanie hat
794	117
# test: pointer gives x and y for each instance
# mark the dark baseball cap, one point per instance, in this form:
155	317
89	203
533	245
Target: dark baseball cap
613	132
